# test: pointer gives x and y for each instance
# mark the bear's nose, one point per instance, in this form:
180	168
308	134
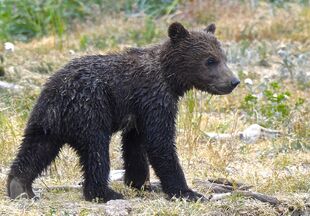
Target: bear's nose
234	82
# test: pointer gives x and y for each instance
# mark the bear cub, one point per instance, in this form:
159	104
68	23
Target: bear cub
137	92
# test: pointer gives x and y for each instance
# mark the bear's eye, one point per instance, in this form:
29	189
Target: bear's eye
210	61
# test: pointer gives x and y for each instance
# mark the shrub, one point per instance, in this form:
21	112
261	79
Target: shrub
23	20
270	106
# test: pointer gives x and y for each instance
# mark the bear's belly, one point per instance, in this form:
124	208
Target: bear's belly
127	123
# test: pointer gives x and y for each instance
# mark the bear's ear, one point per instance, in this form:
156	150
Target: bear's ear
210	28
177	32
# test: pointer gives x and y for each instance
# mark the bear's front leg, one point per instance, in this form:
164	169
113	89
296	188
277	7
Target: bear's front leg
159	132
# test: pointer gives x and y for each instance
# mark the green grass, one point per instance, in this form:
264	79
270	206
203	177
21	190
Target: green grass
24	20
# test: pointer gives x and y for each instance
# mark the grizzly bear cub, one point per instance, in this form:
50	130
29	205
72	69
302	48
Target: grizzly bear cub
137	92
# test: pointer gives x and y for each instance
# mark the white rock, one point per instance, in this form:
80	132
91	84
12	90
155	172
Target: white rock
255	132
117	208
248	81
283	53
117	175
9	47
71	52
251	134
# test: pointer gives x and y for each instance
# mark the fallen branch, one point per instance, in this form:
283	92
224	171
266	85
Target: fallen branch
250	135
64	188
233	184
259	196
223	188
214	187
221	185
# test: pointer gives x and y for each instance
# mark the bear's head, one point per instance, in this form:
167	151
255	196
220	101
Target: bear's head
195	59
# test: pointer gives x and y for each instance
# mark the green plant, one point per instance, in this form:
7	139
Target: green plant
23	20
270	106
263	55
99	41
43	68
248	32
145	35
283	3
153	8
84	42
287	64
276	104
191	121
111	41
244	45
2	71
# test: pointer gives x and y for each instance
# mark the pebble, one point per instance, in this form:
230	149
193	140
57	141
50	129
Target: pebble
118	208
9	47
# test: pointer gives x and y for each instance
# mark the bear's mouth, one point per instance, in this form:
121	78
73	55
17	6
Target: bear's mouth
219	90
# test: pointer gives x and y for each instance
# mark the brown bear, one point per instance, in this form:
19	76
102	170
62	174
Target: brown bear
137	92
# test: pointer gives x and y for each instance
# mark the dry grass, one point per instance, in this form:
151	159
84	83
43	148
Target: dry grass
279	167
248	22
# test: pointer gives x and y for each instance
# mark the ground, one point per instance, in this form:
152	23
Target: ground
279	98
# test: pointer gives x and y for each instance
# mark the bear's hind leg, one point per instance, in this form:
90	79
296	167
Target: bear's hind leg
135	160
35	154
95	162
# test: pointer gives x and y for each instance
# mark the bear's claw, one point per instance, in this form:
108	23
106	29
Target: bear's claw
105	196
17	189
189	195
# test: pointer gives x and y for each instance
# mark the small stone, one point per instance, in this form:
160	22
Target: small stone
9	47
117	175
283	53
71	52
248	81
117	208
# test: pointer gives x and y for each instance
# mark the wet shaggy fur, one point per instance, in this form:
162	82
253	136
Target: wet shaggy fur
137	92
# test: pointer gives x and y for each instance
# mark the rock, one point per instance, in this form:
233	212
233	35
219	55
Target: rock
248	81
255	132
9	47
117	175
71	52
117	208
11	86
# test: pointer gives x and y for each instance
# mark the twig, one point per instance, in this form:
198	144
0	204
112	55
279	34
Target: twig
234	184
214	187
223	188
64	188
259	196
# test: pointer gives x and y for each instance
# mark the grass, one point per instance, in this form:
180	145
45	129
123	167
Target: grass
279	167
243	21
237	20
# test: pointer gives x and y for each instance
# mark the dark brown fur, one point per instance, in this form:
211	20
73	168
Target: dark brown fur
137	92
